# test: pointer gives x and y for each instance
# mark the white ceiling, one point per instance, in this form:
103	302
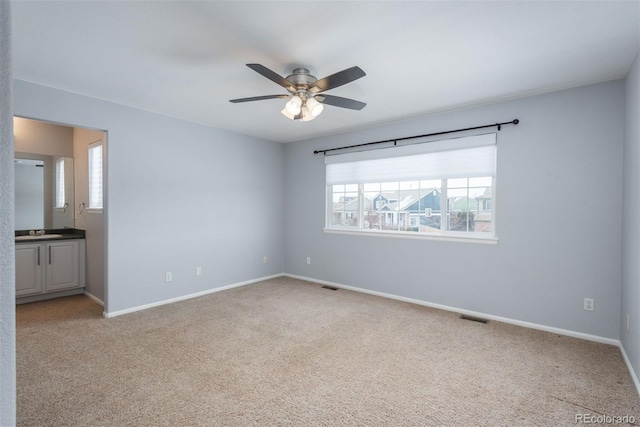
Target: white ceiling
187	59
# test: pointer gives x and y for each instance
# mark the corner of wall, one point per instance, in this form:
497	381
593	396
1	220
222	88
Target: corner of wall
7	256
630	289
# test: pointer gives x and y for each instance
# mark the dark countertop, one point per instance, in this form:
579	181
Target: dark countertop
62	234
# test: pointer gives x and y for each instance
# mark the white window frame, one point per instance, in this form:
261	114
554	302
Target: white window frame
444	234
92	206
60	197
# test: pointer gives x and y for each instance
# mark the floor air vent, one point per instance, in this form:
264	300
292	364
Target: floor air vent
473	319
331	288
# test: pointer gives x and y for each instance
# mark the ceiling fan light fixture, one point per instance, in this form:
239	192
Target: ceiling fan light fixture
287	114
306	115
303	88
294	105
315	108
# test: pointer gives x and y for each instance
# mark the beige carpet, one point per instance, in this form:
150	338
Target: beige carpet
287	352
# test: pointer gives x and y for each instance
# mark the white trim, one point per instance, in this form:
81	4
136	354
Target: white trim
414	235
630	367
94	298
559	331
185	297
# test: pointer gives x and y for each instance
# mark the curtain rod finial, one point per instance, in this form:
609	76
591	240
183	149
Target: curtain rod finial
516	121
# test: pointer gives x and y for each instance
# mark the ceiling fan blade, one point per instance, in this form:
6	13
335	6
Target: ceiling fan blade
338	79
272	75
338	101
258	98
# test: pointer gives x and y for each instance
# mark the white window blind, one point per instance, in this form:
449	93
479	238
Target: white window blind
95	175
454	158
60	196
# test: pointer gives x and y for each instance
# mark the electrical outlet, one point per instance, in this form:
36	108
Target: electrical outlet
308	260
265	260
198	271
167	277
628	321
589	304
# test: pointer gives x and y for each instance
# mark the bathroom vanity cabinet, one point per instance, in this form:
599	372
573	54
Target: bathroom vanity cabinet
49	269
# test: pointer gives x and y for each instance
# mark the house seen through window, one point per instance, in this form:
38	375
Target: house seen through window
441	189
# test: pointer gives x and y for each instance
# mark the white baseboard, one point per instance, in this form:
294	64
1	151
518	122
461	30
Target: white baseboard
185	297
630	367
530	325
94	298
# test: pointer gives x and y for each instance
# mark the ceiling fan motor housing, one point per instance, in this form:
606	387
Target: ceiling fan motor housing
301	77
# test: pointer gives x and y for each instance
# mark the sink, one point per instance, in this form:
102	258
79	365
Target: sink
44	236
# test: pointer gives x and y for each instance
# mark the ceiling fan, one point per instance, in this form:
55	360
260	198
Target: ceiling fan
306	100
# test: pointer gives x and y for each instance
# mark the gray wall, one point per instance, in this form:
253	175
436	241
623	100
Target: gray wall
630	226
7	255
558	217
179	195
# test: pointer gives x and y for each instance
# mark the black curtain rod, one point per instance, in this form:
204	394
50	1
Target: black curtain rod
395	140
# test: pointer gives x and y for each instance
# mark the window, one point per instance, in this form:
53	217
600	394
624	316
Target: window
441	188
95	175
345	205
60	196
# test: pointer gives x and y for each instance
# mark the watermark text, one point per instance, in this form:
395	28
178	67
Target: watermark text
604	419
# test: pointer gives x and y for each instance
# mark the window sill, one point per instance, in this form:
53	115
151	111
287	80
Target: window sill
406	235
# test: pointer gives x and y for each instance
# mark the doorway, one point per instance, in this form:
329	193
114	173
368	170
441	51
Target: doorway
85	204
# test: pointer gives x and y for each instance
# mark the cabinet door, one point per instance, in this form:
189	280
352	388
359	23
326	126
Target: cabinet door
62	265
29	258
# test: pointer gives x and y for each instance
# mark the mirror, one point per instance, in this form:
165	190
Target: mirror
44	191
